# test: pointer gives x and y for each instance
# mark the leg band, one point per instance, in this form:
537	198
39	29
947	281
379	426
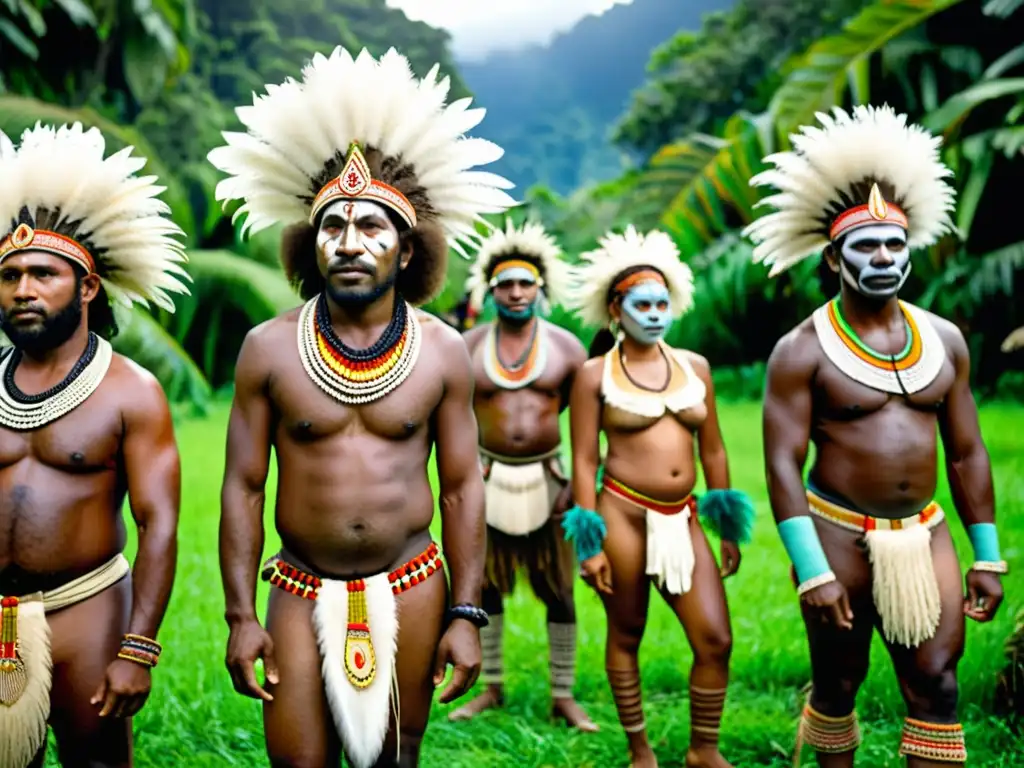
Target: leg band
562	659
941	742
625	684
706	707
491	672
831	735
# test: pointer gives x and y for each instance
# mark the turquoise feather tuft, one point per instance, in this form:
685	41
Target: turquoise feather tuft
729	513
586	530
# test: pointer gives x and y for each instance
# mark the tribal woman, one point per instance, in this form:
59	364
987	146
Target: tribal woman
653	402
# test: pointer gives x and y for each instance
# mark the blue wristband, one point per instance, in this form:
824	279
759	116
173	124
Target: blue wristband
803	547
586	530
985	542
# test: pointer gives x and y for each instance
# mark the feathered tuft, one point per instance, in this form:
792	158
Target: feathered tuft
831	169
590	294
299	133
58	179
530	242
729	513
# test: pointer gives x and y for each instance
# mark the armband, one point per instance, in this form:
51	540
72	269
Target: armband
985	543
141	650
804	548
475	616
586	530
729	513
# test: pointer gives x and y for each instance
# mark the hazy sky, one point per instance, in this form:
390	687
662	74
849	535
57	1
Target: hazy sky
479	27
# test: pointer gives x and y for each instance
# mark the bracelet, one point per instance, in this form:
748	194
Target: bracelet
984	542
813	583
800	538
475	616
989	566
586	530
141	650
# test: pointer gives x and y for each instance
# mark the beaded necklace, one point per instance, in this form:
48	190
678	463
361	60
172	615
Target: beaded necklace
910	370
524	370
21	411
357	376
682	389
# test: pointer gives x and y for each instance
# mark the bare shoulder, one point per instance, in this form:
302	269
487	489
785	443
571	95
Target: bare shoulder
952	337
263	343
138	391
442	340
589	375
475	335
567	343
798	350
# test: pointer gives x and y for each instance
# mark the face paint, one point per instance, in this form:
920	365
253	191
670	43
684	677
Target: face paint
357	233
646	312
875	260
515	290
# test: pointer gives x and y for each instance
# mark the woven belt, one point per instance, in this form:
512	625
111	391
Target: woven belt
854	521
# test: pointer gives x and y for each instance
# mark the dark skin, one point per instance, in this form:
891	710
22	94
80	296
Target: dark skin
657	460
62	487
879	451
525	422
353	500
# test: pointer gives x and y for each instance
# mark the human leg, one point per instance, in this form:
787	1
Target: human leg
85	640
704	615
932	734
491	646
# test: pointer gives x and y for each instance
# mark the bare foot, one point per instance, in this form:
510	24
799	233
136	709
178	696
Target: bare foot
491	698
644	759
573	715
706	756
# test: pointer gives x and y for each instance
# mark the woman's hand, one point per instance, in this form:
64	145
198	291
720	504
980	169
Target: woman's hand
730	552
597	572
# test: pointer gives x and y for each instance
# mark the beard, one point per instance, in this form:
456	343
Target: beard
362	297
53	331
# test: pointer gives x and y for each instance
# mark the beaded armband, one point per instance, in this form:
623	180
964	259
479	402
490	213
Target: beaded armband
804	549
475	616
141	650
985	544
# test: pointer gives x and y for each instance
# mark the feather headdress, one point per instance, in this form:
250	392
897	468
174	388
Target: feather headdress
530	244
312	142
868	168
61	195
604	267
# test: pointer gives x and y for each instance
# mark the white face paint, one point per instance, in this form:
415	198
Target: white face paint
875	260
357	236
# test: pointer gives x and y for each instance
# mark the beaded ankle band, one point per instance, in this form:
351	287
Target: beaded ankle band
831	735
941	742
141	650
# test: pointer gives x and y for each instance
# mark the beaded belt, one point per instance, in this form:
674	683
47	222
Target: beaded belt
295	581
616	488
931	516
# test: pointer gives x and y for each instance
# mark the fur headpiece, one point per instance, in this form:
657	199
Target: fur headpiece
368	129
853	171
530	244
60	195
629	252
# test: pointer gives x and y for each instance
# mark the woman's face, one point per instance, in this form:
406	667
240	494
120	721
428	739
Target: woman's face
646	312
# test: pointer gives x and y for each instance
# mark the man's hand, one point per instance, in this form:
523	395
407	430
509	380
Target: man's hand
984	595
459	647
124	689
832	602
250	641
730	552
563	502
597	572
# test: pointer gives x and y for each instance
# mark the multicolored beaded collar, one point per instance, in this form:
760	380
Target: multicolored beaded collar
523	371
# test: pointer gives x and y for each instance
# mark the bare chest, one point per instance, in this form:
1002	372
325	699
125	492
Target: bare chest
839	397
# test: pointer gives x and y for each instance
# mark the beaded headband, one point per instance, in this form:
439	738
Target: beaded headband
25	238
355	181
876	211
510	264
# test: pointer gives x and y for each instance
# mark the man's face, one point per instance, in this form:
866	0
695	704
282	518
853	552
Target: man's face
359	251
515	294
646	312
41	300
873	260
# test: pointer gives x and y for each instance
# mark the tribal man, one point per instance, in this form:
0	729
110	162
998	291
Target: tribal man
372	173
868	378
518	404
80	427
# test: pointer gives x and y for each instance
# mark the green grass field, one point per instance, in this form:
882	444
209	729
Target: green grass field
195	719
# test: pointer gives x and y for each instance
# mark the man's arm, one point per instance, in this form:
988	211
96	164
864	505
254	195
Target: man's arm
153	472
245	476
576	356
585	431
461	482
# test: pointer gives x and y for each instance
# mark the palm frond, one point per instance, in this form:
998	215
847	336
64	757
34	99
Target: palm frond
955	110
1002	9
820	76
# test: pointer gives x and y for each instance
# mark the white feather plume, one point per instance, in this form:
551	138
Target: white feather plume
114	214
617	253
529	240
810	181
296	128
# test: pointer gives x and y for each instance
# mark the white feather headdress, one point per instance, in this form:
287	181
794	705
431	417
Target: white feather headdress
530	242
300	136
596	276
59	194
828	185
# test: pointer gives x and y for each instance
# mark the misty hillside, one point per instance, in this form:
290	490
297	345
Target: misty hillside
552	107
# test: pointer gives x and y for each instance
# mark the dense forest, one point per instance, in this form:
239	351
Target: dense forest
673	118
